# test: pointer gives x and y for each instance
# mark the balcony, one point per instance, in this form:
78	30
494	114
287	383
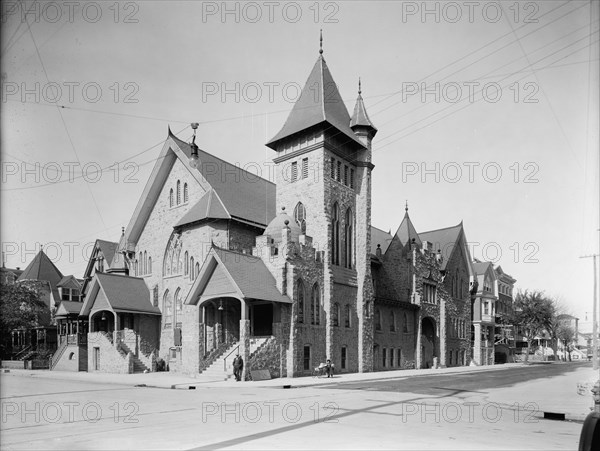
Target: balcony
487	318
73	339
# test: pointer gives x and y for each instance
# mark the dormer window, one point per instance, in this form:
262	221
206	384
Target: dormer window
70	294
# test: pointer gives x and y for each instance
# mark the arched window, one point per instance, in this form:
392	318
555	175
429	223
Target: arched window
377	319
171	198
335	235
185	193
392	322
178	192
178	308
405	324
335	315
197	270
155	296
135	268
186	264
316	304
347	311
192	275
349	242
145	262
167	310
300	217
149	265
179	262
300	291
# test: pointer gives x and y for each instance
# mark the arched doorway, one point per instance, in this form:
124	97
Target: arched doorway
103	321
428	342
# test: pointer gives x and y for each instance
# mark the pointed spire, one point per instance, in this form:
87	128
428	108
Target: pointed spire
406	206
325	107
360	118
321	42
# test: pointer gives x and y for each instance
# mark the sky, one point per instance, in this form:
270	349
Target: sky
487	113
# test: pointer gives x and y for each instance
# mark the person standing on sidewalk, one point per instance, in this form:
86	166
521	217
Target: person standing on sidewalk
238	366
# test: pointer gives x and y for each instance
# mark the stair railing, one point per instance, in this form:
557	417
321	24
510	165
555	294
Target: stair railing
237	348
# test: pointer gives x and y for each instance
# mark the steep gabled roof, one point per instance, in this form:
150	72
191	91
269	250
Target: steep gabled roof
68	308
108	249
481	267
123	294
241	275
320	102
208	207
502	275
69	282
246	197
446	240
378	236
407	232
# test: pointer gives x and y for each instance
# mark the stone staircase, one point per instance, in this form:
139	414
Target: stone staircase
58	354
219	370
138	365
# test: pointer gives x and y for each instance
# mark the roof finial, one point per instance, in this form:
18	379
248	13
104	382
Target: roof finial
359	90
321	42
406	207
122	230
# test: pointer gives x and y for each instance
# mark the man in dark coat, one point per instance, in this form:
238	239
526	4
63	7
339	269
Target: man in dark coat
238	366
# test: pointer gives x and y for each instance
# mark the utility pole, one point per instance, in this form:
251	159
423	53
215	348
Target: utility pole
595	313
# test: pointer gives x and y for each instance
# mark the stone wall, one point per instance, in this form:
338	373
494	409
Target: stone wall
70	359
267	357
111	360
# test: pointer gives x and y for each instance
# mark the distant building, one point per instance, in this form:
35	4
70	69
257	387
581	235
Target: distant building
484	313
505	340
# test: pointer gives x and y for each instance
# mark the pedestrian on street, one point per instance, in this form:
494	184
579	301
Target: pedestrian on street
238	366
329	368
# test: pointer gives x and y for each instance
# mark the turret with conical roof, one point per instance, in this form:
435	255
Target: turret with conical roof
319	109
360	122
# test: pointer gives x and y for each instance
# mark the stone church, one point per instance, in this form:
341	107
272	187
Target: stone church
217	261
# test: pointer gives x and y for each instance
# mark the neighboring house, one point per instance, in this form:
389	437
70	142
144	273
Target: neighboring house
9	276
484	313
54	287
505	339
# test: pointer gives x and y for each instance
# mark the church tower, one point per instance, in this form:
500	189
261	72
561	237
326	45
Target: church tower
324	181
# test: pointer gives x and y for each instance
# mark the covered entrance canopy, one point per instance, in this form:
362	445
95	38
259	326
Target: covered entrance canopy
233	287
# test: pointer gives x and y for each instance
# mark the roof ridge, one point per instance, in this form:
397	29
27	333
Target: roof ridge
443	228
224	161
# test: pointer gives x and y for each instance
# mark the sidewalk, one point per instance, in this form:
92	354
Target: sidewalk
181	381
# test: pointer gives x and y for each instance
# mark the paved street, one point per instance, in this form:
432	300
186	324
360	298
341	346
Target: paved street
496	409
